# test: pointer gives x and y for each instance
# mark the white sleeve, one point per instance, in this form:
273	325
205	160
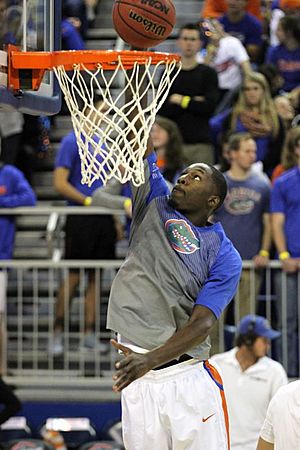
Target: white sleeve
267	431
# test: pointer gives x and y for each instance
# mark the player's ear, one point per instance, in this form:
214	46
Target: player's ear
213	202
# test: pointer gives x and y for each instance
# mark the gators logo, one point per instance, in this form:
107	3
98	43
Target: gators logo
181	236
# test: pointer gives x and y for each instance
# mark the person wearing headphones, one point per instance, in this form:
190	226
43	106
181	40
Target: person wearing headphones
250	380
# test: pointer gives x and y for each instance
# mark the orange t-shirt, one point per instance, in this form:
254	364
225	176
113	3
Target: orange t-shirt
216	8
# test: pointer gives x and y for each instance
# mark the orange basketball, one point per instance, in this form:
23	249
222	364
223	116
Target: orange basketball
144	23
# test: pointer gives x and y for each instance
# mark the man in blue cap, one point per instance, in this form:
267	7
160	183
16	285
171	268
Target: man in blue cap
250	380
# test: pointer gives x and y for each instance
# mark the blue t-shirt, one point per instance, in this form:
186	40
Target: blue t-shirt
242	213
248	30
68	157
71	38
288	63
285	199
14	191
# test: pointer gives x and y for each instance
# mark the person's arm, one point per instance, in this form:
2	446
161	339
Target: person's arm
109	197
63	187
289	264
135	365
200	104
262	259
264	445
21	193
245	67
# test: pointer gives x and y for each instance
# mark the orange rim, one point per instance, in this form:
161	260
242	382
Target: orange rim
90	59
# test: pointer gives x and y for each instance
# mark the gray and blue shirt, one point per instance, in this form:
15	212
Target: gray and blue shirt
171	266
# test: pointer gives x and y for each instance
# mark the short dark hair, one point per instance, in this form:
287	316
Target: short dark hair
190	26
220	183
245	339
235	139
290	24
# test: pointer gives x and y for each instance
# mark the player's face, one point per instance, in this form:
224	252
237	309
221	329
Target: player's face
245	156
193	190
253	93
260	347
189	42
159	136
236	5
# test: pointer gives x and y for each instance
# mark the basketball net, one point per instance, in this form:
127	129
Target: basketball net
110	143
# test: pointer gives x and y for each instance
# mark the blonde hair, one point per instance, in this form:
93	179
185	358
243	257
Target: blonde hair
266	106
289	158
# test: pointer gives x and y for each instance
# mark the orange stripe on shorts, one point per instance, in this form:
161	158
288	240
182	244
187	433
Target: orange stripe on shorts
216	377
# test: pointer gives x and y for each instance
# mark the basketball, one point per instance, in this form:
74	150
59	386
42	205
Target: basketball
144	23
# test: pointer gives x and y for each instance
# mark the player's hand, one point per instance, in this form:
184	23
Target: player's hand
260	261
132	366
290	265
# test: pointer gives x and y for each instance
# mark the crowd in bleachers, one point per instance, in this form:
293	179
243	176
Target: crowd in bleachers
235	104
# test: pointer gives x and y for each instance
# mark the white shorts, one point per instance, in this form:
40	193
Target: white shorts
181	407
3	283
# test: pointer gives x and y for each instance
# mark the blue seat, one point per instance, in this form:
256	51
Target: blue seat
15	428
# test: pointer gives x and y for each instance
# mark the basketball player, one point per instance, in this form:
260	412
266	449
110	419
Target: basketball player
179	275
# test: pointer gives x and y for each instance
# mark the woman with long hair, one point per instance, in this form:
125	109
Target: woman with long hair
254	112
290	154
167	143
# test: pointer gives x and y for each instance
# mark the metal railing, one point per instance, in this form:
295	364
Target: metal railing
31	298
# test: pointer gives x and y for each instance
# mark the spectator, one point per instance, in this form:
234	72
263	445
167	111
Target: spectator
289	157
246	27
73	26
273	77
226	55
244	214
254	112
10	400
250	380
167	143
280	430
215	8
87	237
286	55
14	191
285	215
192	98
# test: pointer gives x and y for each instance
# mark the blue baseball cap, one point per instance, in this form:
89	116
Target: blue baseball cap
258	325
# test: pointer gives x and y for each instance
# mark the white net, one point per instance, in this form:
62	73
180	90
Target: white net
112	143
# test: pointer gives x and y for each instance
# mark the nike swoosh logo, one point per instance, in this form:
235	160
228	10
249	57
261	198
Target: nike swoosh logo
204	419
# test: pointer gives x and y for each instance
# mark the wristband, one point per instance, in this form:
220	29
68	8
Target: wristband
284	255
264	253
87	201
127	203
185	102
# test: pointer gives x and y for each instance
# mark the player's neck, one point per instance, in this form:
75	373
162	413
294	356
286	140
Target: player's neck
245	358
189	63
292	44
238	173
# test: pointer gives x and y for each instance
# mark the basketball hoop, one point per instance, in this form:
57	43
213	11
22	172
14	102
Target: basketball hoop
110	144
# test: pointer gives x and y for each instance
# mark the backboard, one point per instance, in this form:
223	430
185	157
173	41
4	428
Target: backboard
32	25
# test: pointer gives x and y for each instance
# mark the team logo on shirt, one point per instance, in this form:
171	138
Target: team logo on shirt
240	200
181	236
